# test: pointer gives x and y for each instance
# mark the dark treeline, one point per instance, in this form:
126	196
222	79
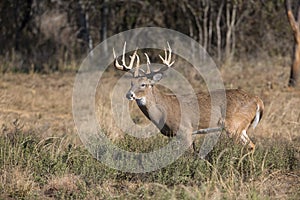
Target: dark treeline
50	34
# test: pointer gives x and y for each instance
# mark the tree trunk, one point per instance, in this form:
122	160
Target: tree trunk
231	9
294	75
205	21
218	28
85	27
103	30
295	25
197	21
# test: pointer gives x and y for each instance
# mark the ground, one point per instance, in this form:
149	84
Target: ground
40	107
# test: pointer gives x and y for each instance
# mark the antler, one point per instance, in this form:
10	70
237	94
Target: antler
149	73
123	66
166	61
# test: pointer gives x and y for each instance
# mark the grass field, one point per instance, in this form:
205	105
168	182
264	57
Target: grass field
42	157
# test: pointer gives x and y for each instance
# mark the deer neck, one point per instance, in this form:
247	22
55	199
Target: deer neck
150	105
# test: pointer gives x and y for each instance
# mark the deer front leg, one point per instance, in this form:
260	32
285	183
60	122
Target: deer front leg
185	136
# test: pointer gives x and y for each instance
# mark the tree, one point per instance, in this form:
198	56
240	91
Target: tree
295	25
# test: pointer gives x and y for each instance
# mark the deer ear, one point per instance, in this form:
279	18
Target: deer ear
157	77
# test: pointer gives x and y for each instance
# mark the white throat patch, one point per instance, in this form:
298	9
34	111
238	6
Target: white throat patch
141	101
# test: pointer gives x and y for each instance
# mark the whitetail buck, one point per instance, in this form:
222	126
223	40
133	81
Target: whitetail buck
163	110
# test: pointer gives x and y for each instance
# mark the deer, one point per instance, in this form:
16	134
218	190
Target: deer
163	110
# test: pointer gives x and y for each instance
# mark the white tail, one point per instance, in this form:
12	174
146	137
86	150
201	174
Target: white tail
242	109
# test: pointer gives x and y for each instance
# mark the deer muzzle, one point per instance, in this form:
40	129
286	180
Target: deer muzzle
130	95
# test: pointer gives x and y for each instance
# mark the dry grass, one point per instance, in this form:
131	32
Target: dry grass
42	103
67	185
17	182
53	163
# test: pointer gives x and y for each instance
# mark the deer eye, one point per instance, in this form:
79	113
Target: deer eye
143	85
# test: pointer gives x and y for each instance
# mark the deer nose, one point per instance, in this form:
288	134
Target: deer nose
130	95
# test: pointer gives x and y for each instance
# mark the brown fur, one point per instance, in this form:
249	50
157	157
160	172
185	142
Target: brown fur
164	109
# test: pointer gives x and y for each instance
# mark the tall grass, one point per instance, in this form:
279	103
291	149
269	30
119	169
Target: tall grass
31	167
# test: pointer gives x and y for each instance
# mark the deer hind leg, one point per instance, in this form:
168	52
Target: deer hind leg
190	140
246	140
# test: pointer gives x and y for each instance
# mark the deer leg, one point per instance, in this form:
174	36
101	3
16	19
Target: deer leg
246	140
194	147
189	139
186	138
195	153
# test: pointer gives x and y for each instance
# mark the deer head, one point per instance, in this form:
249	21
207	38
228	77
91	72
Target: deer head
142	82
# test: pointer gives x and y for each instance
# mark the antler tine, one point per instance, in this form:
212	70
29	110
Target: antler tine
123	55
132	59
136	72
148	64
117	65
114	53
170	54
